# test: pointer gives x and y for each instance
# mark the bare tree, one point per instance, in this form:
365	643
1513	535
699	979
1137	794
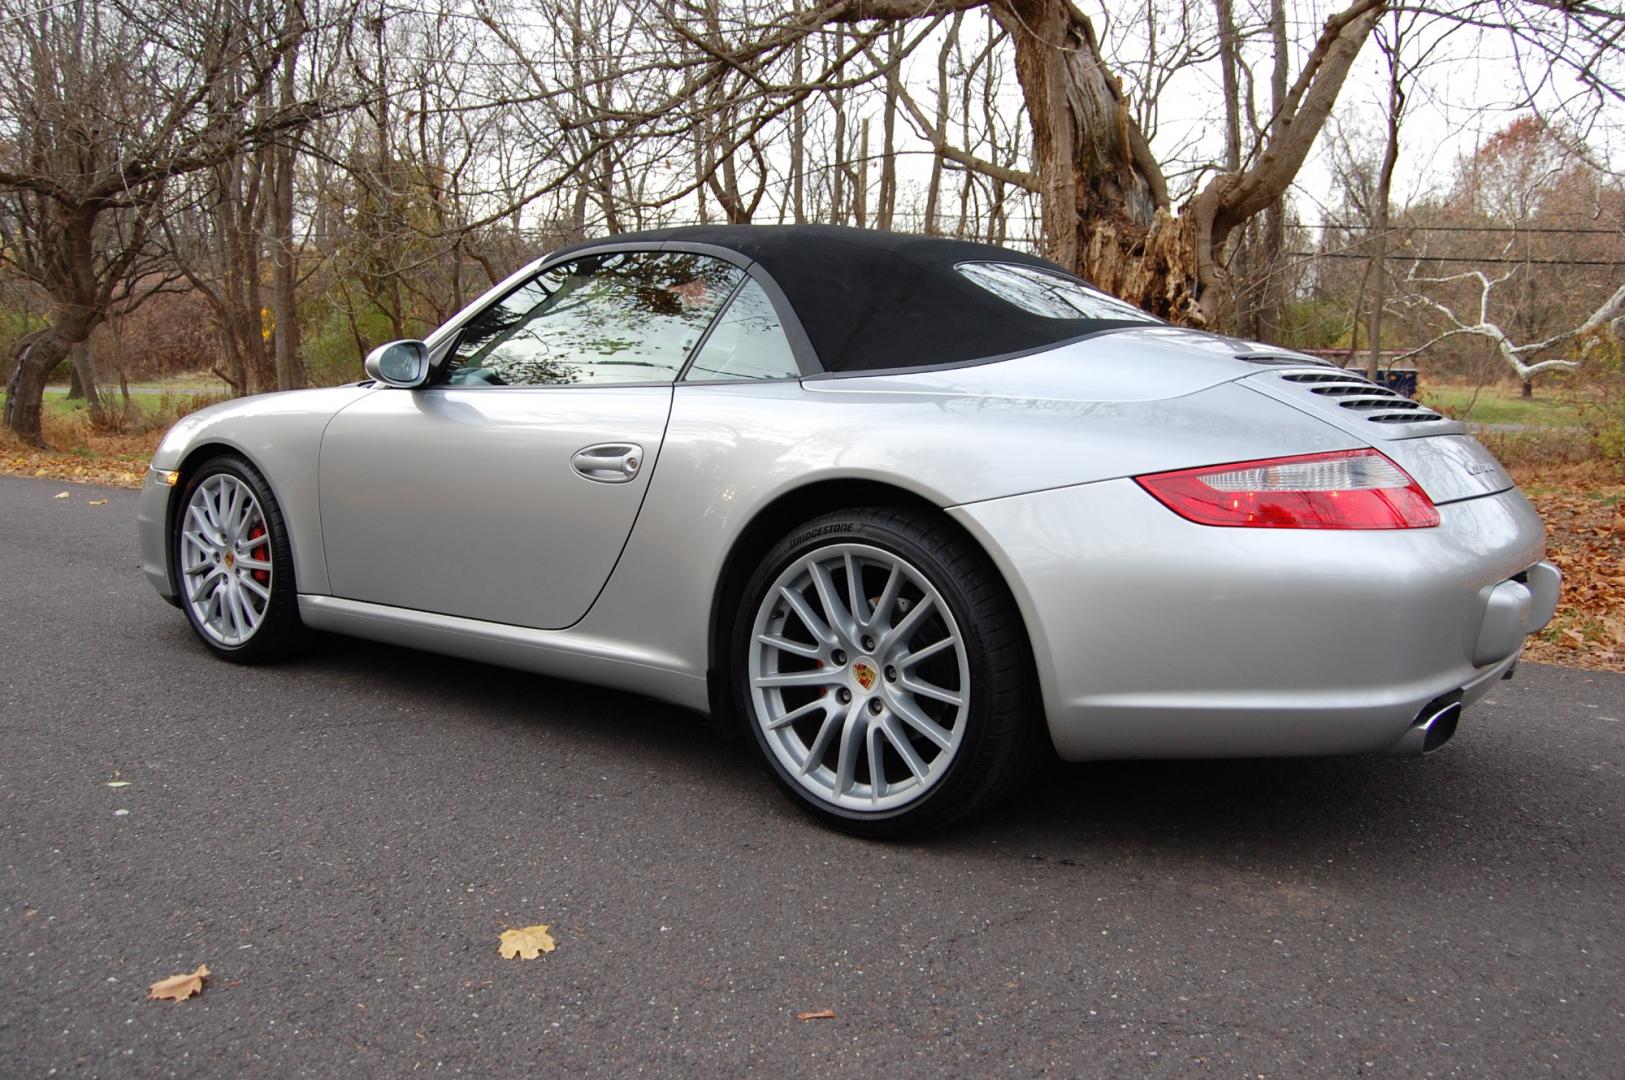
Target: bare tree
1546	230
105	102
1403	59
1584	336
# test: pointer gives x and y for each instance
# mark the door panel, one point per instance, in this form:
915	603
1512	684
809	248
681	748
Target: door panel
466	501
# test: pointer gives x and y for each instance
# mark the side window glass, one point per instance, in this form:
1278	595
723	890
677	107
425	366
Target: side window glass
621	317
748	343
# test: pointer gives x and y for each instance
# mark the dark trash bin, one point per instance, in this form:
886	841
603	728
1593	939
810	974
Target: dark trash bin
1399	380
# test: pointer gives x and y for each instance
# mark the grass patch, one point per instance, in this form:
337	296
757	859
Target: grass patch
119	432
185	382
144	408
146	412
1503	405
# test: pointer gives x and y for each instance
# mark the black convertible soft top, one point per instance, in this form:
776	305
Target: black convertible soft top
875	300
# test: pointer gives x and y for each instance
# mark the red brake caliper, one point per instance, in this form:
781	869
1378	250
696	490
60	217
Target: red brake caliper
261	552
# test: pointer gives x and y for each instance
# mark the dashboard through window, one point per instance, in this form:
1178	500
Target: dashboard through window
618	317
1041	292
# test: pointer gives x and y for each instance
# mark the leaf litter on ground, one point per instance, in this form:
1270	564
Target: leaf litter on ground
526	943
179	987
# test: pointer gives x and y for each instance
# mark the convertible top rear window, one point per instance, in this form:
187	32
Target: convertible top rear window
1054	296
875	301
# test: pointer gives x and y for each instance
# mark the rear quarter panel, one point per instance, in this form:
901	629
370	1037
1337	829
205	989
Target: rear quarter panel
731	450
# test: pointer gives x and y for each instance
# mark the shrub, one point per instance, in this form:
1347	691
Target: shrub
1602	401
143	414
1540	447
329	348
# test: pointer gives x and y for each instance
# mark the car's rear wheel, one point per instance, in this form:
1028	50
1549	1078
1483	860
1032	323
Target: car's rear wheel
233	563
884	673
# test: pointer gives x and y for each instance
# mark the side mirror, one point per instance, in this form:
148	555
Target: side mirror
400	363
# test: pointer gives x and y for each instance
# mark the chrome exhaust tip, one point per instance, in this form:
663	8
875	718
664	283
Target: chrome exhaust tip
1434	726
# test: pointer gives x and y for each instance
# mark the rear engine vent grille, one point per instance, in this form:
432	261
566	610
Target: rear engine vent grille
1375	403
1284	360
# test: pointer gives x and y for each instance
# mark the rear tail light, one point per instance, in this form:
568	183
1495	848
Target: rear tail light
1349	489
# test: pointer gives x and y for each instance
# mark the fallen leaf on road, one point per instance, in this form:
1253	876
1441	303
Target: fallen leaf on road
179	987
526	944
97	502
819	1014
61	495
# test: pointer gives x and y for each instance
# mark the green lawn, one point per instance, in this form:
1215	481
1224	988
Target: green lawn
150	398
187	382
1503	405
56	402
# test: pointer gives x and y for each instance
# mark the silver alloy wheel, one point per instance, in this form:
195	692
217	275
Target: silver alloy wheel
225	557
858	677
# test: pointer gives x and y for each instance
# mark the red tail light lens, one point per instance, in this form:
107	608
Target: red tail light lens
1348	489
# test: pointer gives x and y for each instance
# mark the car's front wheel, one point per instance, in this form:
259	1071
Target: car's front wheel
233	563
884	672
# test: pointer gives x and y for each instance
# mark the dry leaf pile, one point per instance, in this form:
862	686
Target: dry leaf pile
1585	536
120	469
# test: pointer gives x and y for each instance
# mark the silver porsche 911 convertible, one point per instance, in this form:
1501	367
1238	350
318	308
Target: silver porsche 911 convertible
909	510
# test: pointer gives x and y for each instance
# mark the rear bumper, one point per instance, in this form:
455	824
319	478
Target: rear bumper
1156	637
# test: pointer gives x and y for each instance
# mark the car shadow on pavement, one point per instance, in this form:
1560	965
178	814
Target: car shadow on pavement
468	691
1467	807
1264	811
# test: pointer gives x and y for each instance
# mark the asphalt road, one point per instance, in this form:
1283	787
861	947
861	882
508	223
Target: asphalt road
342	839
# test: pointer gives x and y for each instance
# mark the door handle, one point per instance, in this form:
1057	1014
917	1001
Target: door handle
609	463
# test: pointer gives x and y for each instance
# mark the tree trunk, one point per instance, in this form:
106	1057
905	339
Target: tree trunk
1379	211
84	373
1103	197
1230	78
290	371
1087	166
25	396
1272	306
933	191
888	126
860	183
837	173
798	135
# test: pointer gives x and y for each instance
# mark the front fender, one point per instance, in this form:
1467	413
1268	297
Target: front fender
281	436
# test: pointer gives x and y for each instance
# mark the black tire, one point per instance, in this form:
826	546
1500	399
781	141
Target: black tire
279	632
1003	729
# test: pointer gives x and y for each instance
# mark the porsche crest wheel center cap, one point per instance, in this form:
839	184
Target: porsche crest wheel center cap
864	674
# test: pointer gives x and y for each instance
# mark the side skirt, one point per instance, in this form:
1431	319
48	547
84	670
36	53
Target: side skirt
565	654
